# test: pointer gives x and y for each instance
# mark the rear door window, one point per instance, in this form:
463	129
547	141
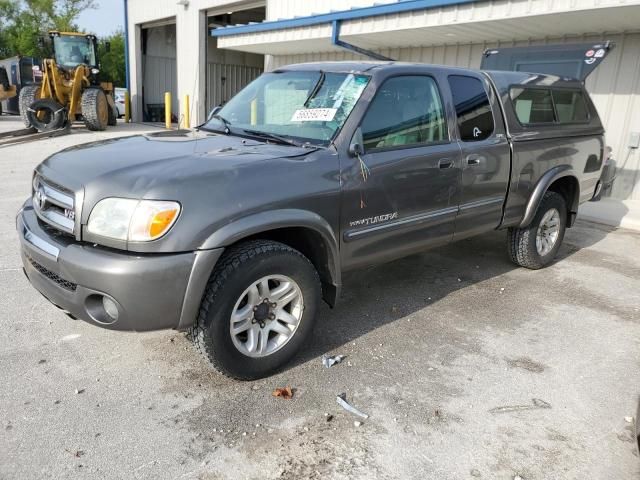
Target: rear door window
570	106
533	105
405	111
473	110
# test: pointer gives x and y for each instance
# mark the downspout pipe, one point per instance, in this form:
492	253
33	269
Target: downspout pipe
126	44
335	40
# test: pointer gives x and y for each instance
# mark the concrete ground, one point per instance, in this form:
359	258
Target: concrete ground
616	213
468	367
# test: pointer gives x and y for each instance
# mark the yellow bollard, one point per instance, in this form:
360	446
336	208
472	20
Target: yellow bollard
127	107
167	110
254	111
187	114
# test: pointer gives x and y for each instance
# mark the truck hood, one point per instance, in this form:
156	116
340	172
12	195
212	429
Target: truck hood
216	178
143	161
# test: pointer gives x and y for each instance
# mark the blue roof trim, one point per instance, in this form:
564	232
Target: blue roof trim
355	13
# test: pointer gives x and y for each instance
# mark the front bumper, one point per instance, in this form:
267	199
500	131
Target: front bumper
151	291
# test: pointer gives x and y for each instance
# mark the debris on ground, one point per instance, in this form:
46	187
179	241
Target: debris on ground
286	393
79	391
536	404
357	423
330	360
628	419
328	417
41	361
76	453
342	401
526	363
475	473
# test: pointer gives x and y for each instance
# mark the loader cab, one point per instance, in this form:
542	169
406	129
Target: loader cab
73	49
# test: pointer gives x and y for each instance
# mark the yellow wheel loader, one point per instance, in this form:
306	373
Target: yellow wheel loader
7	90
70	89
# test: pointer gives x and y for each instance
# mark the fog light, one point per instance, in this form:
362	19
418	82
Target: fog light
110	308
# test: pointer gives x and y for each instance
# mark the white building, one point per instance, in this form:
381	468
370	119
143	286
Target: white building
209	49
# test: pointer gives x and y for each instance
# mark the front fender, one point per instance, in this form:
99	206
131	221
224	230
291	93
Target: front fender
277	219
540	189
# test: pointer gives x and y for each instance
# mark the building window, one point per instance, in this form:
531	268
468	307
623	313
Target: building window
405	111
570	106
473	110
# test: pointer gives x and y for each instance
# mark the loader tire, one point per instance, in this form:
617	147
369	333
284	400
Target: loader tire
95	109
113	117
46	115
28	95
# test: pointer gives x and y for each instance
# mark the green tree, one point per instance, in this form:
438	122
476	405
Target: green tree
22	22
112	63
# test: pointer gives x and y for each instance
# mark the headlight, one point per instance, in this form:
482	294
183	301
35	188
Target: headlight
132	220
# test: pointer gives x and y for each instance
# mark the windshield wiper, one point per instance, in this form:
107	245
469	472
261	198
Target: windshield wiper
315	89
271	136
226	122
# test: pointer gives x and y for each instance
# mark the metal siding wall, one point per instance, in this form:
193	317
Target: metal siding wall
237	77
160	77
277	9
614	88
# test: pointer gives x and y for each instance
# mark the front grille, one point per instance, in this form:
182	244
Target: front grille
54	205
66	284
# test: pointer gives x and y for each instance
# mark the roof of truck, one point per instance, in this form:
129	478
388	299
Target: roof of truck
502	79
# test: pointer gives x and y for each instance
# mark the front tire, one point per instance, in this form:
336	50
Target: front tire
258	309
95	109
536	246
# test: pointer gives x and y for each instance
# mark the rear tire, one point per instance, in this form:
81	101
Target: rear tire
536	246
95	109
46	115
28	95
226	296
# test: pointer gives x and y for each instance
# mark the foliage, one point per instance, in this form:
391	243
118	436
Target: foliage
112	62
22	22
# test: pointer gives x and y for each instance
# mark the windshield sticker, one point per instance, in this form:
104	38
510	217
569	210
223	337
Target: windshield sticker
314	115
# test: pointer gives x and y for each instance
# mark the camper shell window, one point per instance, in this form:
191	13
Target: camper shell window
540	106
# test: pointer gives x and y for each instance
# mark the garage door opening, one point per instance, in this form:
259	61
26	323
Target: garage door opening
228	71
159	74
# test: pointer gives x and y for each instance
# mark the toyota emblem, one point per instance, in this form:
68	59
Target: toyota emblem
40	198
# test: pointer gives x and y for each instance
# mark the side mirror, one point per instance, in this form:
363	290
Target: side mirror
213	112
107	47
356	147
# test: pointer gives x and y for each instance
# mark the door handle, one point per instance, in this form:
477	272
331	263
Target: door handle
474	160
445	163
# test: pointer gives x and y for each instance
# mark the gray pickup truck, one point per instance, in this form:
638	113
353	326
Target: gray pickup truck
236	230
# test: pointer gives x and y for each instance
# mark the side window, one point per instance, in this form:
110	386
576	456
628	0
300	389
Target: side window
475	119
533	105
405	111
570	106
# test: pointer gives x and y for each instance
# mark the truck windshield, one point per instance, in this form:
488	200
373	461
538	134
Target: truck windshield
303	106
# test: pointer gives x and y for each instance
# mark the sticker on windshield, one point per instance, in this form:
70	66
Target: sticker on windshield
314	115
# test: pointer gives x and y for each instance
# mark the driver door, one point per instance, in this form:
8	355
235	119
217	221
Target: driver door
401	193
